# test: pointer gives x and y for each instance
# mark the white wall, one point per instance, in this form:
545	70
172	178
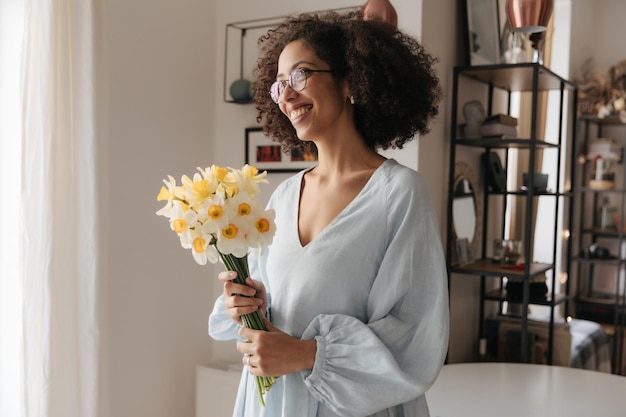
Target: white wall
597	33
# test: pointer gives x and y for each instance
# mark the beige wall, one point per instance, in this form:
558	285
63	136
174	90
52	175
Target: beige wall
156	114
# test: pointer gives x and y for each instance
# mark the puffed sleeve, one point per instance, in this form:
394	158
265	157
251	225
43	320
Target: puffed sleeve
362	368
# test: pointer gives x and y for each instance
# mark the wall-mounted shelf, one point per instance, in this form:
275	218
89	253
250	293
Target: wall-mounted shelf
240	49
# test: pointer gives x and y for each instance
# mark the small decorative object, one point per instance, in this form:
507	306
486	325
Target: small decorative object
241	90
529	16
603	154
506	251
218	215
537	287
496	175
603	92
380	9
474	115
596	251
512	45
540	182
605	216
499	125
463	251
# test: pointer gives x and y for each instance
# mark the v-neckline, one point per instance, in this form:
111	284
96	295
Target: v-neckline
338	216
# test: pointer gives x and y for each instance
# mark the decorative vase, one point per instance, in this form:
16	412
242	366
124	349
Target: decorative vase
241	90
381	9
529	15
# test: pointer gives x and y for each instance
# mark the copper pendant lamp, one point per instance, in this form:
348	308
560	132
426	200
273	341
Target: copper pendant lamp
529	16
380	9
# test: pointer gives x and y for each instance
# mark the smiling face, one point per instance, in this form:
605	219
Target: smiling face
321	107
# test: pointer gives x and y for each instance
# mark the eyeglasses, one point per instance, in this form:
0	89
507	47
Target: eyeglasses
297	81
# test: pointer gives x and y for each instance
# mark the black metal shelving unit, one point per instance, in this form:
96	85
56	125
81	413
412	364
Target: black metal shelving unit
506	79
607	307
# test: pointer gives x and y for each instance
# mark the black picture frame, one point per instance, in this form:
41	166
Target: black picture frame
267	155
481	31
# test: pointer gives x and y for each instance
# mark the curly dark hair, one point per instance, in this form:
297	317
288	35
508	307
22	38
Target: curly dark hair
390	75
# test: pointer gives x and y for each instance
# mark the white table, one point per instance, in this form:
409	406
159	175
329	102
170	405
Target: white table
513	389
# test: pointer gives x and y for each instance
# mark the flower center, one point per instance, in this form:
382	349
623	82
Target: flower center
215	212
244	209
230	232
198	244
179	225
263	225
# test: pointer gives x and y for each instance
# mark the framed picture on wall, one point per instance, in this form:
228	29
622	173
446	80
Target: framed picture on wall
267	155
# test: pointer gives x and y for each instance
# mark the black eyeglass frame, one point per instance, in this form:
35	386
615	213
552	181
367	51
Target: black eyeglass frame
281	85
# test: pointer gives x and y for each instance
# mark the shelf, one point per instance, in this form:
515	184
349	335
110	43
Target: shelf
609	120
517	77
611	191
608	233
523	193
601	299
489	268
499	81
599	261
603	303
502	295
505	143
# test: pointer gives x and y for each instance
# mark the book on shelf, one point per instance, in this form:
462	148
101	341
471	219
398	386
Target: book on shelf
498	130
504	119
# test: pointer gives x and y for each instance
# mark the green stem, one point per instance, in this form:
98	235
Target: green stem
252	320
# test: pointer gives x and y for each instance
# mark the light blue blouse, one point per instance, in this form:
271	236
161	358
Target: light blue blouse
371	289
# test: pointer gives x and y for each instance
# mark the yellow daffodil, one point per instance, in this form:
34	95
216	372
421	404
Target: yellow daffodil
167	193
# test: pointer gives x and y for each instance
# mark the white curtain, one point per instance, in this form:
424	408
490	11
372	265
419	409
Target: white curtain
59	236
11	19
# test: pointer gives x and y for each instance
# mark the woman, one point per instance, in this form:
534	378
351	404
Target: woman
354	283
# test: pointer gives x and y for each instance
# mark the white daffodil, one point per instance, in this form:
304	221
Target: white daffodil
265	228
182	221
201	247
213	214
244	205
231	239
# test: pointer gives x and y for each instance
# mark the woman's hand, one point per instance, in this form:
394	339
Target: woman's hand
274	352
243	299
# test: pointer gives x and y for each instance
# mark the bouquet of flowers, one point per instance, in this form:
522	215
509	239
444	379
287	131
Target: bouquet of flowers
218	216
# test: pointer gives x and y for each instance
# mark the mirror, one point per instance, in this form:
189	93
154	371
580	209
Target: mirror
463	210
466	213
481	22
